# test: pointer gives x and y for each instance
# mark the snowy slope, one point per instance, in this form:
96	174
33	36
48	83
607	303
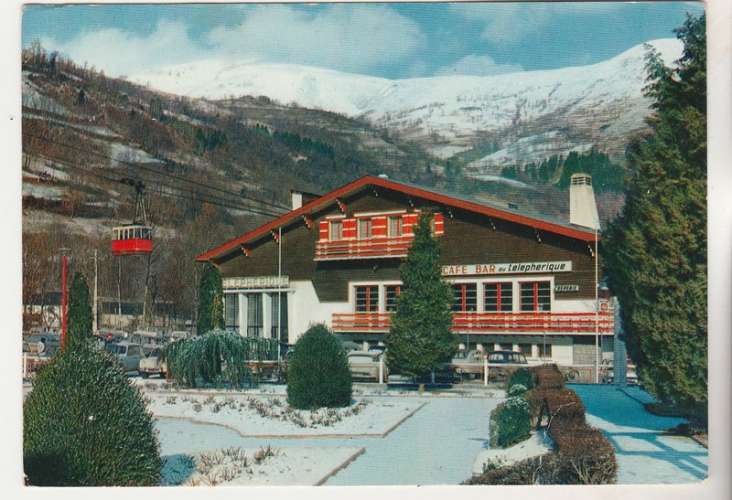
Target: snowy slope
595	100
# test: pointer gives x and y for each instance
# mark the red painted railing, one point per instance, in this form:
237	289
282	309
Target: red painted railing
485	323
359	249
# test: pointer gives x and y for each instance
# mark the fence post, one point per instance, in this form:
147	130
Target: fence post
381	369
485	370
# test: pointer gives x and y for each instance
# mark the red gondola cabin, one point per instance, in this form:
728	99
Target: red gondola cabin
132	239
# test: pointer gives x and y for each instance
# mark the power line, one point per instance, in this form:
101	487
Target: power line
207	198
158	172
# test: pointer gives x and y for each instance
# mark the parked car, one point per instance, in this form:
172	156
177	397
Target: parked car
365	365
44	344
468	363
128	354
153	364
149	340
507	358
607	372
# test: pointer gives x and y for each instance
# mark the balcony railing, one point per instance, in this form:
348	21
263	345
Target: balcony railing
363	249
490	323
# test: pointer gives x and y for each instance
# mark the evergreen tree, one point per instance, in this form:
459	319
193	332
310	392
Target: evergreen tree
420	337
655	252
210	301
80	312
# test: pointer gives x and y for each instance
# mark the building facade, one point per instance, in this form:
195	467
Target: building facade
520	282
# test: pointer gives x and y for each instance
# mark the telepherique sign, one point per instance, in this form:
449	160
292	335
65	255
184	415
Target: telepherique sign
507	268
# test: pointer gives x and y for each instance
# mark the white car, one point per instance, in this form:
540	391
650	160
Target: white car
365	365
153	365
129	355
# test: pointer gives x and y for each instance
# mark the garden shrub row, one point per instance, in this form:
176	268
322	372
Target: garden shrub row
510	422
583	455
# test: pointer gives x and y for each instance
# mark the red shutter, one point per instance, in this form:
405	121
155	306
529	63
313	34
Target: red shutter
439	224
378	227
410	220
323	230
349	229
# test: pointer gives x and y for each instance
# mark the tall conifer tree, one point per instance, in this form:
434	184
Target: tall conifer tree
210	301
80	312
420	338
656	251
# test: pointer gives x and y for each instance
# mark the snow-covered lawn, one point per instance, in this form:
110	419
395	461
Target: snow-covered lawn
306	466
537	444
270	416
644	454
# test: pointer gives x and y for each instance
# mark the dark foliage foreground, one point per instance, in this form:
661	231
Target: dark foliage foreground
84	424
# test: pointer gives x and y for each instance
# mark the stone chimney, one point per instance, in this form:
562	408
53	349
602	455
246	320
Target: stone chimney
582	206
296	199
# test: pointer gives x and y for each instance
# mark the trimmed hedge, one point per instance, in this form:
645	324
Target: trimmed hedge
510	423
583	454
521	376
318	374
84	424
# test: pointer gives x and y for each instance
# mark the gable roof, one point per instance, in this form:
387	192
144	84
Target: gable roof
457	201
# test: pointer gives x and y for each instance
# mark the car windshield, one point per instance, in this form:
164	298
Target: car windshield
495	357
116	349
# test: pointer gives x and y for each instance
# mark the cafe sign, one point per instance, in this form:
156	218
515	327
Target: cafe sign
256	282
507	268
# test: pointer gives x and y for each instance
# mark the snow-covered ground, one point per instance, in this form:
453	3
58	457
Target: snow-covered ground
303	466
270	416
643	453
537	444
437	445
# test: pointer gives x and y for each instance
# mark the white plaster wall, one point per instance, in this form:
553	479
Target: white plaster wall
306	310
577	305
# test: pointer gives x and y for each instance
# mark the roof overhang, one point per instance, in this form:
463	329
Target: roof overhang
236	244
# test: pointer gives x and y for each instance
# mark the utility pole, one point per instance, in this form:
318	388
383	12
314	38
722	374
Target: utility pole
64	295
95	325
279	294
597	313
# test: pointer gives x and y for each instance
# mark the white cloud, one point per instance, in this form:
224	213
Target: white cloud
511	22
478	66
345	37
120	52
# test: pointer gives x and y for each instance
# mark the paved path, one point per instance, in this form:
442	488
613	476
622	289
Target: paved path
643	454
437	445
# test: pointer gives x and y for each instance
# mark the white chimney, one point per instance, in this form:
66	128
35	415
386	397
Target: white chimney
582	206
296	197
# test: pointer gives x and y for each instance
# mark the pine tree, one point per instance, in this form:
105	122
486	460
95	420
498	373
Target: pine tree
210	301
80	312
420	338
655	252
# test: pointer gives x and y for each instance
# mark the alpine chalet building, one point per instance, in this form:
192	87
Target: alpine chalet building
521	282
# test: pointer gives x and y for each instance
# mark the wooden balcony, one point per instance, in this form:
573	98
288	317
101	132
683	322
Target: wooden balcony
372	248
490	323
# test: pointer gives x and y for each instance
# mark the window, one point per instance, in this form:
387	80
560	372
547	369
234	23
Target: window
525	349
545	351
395	227
231	312
364	229
336	230
498	297
392	294
254	315
466	299
133	350
283	336
367	298
536	296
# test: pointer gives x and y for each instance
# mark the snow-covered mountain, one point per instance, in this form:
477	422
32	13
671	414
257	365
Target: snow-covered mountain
501	119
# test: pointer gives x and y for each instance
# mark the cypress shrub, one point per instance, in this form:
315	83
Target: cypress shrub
80	312
510	423
521	376
318	374
84	424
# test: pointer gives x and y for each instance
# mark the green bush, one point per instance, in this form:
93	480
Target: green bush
216	357
318	374
510	423
517	390
521	376
84	424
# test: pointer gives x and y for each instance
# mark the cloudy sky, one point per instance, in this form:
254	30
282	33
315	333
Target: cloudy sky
386	40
